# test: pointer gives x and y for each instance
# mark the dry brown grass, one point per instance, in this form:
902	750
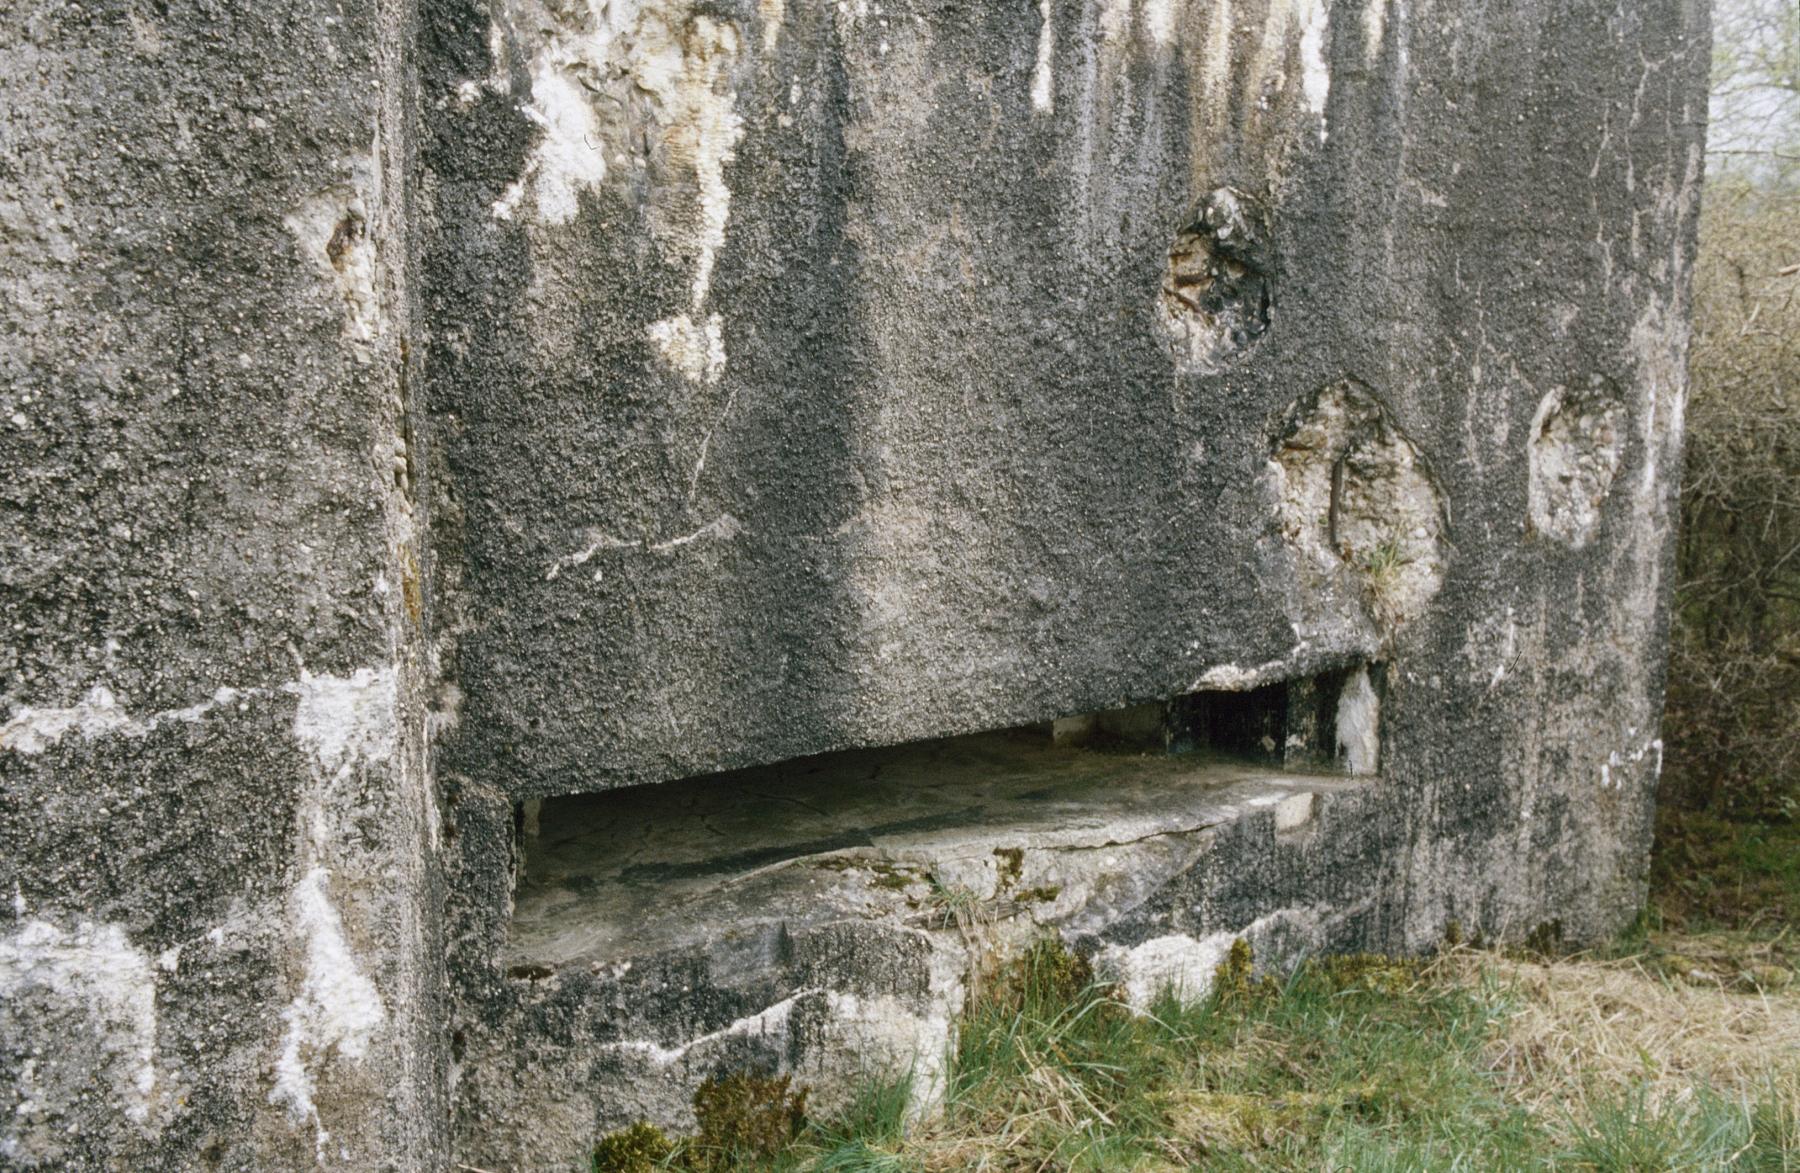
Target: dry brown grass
1582	1028
1575	1034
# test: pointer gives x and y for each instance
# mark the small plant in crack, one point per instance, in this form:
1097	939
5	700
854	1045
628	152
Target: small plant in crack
1384	560
955	905
1382	566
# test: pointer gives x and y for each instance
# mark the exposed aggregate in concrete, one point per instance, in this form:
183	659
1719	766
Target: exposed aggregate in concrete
411	411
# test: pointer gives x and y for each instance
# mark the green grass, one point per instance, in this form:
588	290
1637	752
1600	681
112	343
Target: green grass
1712	873
1351	1063
1708	1131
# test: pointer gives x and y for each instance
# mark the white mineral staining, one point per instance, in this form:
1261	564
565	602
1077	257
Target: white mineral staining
1187	965
771	1020
106	990
1234	678
695	348
1159	21
1612	779
1315	75
1115	20
337	1010
575	62
1294	811
704	133
343	723
325	703
650	82
1177	963
508	202
32	730
1259	74
1043	81
1354	496
1577	441
772	13
1359	724
1215	60
1288	22
569	158
721	528
1374	28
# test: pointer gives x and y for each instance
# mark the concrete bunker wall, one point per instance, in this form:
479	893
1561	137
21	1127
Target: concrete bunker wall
415	410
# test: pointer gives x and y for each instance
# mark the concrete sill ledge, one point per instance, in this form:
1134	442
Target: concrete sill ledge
996	825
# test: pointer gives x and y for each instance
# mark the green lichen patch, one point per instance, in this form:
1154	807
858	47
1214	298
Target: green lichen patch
1235	981
745	1120
638	1148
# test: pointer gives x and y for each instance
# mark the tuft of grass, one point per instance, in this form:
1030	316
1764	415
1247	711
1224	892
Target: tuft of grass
1382	566
1636	1131
1259	1075
864	1136
955	905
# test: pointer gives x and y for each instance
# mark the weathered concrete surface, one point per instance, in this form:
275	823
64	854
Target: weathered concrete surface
889	371
214	832
721	382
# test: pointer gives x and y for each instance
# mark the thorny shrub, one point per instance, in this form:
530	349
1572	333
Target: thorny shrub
1733	722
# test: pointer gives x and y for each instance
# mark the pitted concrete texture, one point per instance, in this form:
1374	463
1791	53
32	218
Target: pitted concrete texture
414	413
216	939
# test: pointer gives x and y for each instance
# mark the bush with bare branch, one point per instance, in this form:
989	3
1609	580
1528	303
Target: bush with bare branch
1733	724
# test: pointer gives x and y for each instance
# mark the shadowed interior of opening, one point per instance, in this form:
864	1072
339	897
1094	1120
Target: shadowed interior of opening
609	876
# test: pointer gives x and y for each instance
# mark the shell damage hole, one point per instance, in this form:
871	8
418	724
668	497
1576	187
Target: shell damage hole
1216	291
1577	441
1356	495
349	230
